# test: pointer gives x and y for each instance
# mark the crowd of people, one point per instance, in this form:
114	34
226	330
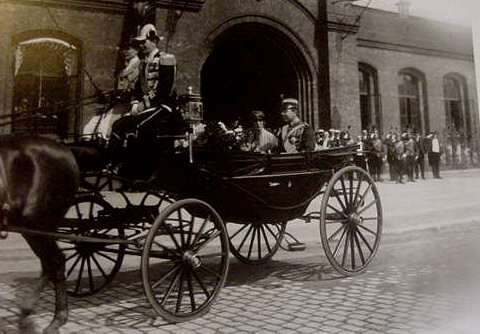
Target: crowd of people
405	153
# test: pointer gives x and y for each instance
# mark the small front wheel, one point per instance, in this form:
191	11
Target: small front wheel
351	220
185	260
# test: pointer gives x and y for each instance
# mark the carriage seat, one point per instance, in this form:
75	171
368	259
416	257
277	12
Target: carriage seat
89	155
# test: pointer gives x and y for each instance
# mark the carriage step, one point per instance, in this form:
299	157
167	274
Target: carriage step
296	246
293	244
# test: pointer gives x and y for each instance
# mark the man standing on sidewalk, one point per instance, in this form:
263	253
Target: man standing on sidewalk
420	161
434	152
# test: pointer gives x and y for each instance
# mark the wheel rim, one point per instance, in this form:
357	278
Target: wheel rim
351	220
185	260
90	266
255	243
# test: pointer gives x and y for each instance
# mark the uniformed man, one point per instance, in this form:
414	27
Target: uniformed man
295	136
152	91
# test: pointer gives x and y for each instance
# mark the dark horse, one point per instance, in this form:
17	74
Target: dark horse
38	182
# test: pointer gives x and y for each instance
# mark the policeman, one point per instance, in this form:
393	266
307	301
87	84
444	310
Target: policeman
152	91
295	136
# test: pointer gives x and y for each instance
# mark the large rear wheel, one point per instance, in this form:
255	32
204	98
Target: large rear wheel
185	260
351	220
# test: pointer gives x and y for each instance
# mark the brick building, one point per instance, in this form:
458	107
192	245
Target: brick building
348	66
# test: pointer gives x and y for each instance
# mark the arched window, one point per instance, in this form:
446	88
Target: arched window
455	95
370	114
412	100
46	79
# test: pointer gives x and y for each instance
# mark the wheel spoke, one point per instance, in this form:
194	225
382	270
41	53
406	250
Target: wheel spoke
337	247
172	285
266	239
106	256
190	231
240	230
352	248
337	211
200	282
90	274
200	232
170	233
345	248
79	214
342	227
368	230
362	197
166	248
259	242
99	266
70	256
366	207
180	293
360	179
365	240
350	195
73	266
80	273
360	251
191	291
335	192
207	241
251	243
344	188
180	226
245	238
170	272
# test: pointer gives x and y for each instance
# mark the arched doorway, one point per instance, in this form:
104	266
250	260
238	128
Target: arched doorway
251	66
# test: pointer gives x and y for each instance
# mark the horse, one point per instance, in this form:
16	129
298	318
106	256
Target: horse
38	182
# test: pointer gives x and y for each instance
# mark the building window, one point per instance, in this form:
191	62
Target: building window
456	109
370	115
46	77
412	102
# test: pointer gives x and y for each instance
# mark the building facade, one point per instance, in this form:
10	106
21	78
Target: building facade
348	66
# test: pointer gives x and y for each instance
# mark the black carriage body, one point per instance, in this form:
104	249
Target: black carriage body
246	187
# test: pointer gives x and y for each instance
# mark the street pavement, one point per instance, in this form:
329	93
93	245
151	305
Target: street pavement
422	281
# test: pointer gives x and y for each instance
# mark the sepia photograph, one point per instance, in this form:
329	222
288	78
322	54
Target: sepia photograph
239	166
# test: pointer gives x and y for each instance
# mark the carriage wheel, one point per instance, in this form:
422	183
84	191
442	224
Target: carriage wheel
90	266
185	260
257	242
351	220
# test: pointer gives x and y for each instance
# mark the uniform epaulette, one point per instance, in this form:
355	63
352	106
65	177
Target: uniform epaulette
167	59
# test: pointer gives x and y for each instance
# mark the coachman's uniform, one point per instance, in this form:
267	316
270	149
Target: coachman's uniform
157	75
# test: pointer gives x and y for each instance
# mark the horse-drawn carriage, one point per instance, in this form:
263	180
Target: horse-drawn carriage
198	205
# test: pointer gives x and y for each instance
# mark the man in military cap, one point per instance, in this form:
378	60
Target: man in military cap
152	91
295	136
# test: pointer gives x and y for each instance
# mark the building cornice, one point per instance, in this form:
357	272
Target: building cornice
115	6
367	43
342	27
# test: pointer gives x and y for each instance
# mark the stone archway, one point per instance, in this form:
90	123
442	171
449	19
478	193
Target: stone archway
249	68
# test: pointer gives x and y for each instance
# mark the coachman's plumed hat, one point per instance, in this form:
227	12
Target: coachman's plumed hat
148	31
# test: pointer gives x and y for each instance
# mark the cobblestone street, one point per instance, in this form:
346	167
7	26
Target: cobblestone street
422	281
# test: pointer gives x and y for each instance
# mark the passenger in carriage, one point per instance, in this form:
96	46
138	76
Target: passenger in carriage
151	94
258	139
295	136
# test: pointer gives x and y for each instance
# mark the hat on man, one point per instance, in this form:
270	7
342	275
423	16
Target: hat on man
148	31
290	104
